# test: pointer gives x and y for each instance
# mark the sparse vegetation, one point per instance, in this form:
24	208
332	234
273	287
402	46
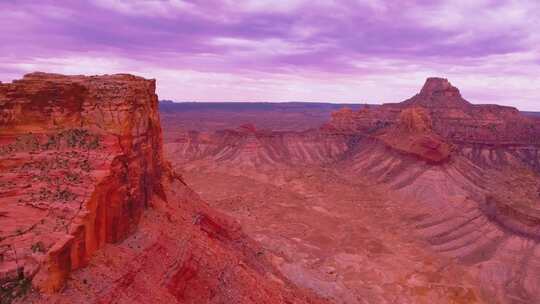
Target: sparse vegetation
72	177
44	194
38	247
80	138
85	165
65	164
27	142
70	138
64	195
14	288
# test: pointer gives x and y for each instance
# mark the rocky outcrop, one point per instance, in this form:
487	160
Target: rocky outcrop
81	158
364	121
82	167
413	133
438	93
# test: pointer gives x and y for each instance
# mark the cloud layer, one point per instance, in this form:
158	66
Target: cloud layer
254	50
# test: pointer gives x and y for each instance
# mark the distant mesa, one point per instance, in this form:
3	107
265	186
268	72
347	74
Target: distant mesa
436	85
249	128
452	120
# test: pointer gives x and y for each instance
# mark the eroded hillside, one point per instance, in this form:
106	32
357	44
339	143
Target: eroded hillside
431	200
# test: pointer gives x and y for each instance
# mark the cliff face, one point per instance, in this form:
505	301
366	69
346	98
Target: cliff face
82	157
82	167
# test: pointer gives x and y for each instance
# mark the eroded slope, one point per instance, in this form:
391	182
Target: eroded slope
456	183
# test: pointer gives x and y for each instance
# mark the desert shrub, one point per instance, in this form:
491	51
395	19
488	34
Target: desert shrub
44	194
73	177
81	138
72	138
52	142
64	195
14	288
85	165
38	247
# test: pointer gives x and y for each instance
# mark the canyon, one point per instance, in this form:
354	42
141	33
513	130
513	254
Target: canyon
109	196
430	200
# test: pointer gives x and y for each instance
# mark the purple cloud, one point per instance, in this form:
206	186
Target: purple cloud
350	50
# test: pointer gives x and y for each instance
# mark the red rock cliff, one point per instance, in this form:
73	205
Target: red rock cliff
82	157
82	167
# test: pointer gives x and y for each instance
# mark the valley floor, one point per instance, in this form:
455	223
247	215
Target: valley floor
345	239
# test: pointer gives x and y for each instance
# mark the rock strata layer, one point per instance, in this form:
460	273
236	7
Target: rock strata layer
81	159
461	178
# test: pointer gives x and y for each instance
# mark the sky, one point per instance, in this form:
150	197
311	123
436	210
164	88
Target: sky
353	51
